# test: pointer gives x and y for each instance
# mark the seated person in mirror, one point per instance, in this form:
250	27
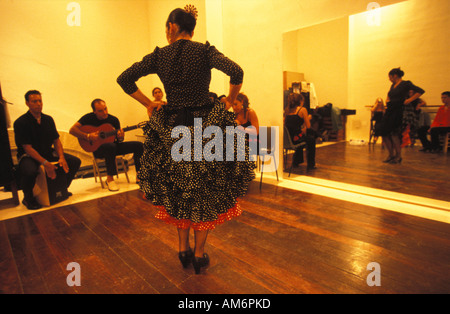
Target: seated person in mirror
410	122
107	150
377	111
422	131
38	143
297	121
440	125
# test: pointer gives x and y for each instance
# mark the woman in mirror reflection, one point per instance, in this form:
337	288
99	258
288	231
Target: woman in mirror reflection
377	111
297	121
391	125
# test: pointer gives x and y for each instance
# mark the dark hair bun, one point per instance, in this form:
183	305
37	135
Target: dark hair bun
397	71
184	19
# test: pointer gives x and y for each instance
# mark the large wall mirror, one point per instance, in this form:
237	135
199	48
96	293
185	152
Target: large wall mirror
347	61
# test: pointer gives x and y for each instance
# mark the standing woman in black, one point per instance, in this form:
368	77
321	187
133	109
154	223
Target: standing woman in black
391	125
194	193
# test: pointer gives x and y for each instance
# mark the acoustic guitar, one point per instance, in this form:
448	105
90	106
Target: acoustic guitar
107	134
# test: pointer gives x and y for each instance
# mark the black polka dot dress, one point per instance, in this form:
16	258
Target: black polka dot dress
195	192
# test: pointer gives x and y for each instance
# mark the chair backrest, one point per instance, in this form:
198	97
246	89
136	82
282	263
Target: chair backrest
268	145
287	141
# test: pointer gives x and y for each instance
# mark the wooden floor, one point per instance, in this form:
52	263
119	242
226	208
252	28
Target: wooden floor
285	242
420	174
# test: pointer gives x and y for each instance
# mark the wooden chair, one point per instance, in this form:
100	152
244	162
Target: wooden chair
121	166
288	145
9	160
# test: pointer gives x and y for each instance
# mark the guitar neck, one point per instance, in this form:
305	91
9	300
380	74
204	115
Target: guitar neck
114	132
129	128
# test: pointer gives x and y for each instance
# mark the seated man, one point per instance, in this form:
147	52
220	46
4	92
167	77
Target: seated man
440	125
108	151
35	134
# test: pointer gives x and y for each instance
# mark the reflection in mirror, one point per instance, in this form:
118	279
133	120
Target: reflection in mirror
347	61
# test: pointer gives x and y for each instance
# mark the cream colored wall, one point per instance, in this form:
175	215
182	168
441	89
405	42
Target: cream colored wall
253	36
71	65
413	35
322	55
348	58
290	48
253	32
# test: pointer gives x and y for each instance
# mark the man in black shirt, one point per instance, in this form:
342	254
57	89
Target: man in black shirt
109	150
38	144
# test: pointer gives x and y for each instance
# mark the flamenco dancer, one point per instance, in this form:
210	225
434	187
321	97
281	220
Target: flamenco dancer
196	195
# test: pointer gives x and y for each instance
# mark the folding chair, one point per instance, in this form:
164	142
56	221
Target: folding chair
289	145
268	149
120	161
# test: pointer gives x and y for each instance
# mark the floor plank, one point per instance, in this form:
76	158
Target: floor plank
421	174
285	242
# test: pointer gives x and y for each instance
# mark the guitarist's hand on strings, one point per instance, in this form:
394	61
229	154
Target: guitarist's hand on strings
94	136
120	135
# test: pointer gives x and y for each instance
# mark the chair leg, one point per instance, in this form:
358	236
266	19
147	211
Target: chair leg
100	178
117	167
121	162
94	170
262	171
445	146
292	163
97	173
125	169
275	164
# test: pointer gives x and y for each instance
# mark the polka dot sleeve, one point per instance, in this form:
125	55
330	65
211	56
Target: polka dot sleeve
127	80
218	61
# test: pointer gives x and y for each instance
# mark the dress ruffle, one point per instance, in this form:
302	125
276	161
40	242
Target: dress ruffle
200	194
162	214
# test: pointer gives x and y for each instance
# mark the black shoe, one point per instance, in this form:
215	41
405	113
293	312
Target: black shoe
186	257
396	161
311	167
389	159
31	204
199	262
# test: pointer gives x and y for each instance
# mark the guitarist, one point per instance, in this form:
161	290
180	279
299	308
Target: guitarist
110	150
